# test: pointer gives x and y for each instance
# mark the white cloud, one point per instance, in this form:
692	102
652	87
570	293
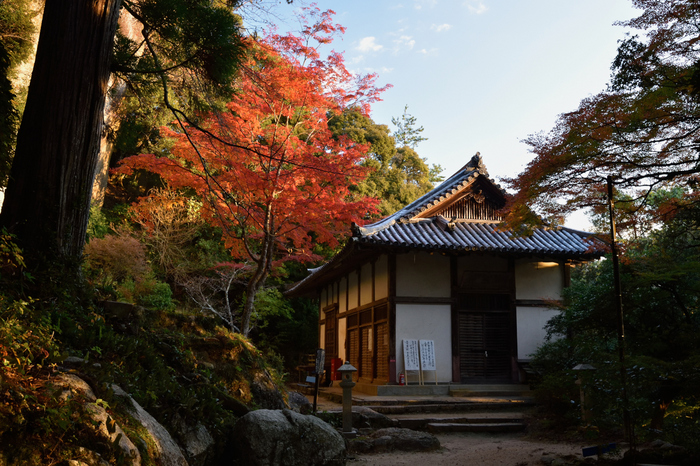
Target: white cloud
476	6
368	44
441	28
404	42
418	5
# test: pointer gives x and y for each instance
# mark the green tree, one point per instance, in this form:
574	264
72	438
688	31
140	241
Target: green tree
660	273
399	175
407	134
16	31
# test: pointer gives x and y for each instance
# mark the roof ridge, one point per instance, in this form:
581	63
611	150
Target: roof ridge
462	178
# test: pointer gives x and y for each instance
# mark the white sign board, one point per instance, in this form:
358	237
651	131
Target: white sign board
410	355
427	355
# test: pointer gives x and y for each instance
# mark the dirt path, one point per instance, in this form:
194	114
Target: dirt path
476	449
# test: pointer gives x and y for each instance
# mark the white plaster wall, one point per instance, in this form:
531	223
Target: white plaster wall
322	336
422	274
342	299
426	322
531	332
342	327
538	280
366	285
381	273
352	291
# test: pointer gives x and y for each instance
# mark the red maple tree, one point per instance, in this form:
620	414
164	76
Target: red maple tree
268	170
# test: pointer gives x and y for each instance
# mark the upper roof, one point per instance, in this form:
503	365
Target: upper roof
461	215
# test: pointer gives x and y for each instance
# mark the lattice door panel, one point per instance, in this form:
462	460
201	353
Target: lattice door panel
382	349
365	368
353	341
331	337
484	345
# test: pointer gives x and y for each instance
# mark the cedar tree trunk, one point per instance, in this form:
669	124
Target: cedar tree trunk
47	201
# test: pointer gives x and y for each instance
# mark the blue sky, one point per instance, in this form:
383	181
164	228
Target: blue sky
480	75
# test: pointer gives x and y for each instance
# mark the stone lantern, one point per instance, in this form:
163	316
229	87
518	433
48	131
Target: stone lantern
346	383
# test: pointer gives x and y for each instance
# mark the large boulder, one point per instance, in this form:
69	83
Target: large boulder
196	441
166	450
285	438
107	428
299	403
265	393
72	387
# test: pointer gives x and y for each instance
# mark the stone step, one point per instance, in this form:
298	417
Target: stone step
456	407
490	393
427	401
491	390
422	423
499	427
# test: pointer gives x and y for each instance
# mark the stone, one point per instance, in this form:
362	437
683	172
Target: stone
394	438
657	443
108	429
265	392
73	386
167	452
87	457
74	361
299	403
363	416
285	438
196	440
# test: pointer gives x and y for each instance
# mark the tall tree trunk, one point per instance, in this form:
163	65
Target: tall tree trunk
47	200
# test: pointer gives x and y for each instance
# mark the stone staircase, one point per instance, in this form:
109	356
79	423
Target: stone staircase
465	408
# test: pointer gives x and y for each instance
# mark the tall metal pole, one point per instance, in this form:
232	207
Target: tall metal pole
629	433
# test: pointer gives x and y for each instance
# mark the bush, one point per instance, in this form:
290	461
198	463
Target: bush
115	257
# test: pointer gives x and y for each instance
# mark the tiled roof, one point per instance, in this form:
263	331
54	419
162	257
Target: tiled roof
407	229
448	188
440	235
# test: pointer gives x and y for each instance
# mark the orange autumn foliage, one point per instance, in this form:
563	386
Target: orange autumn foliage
268	171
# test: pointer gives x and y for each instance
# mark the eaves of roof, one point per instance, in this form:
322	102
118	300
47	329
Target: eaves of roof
458	238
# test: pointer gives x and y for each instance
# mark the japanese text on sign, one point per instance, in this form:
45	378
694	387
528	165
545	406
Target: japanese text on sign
427	355
410	355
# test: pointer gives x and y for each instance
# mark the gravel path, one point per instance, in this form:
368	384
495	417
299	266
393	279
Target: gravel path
476	449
